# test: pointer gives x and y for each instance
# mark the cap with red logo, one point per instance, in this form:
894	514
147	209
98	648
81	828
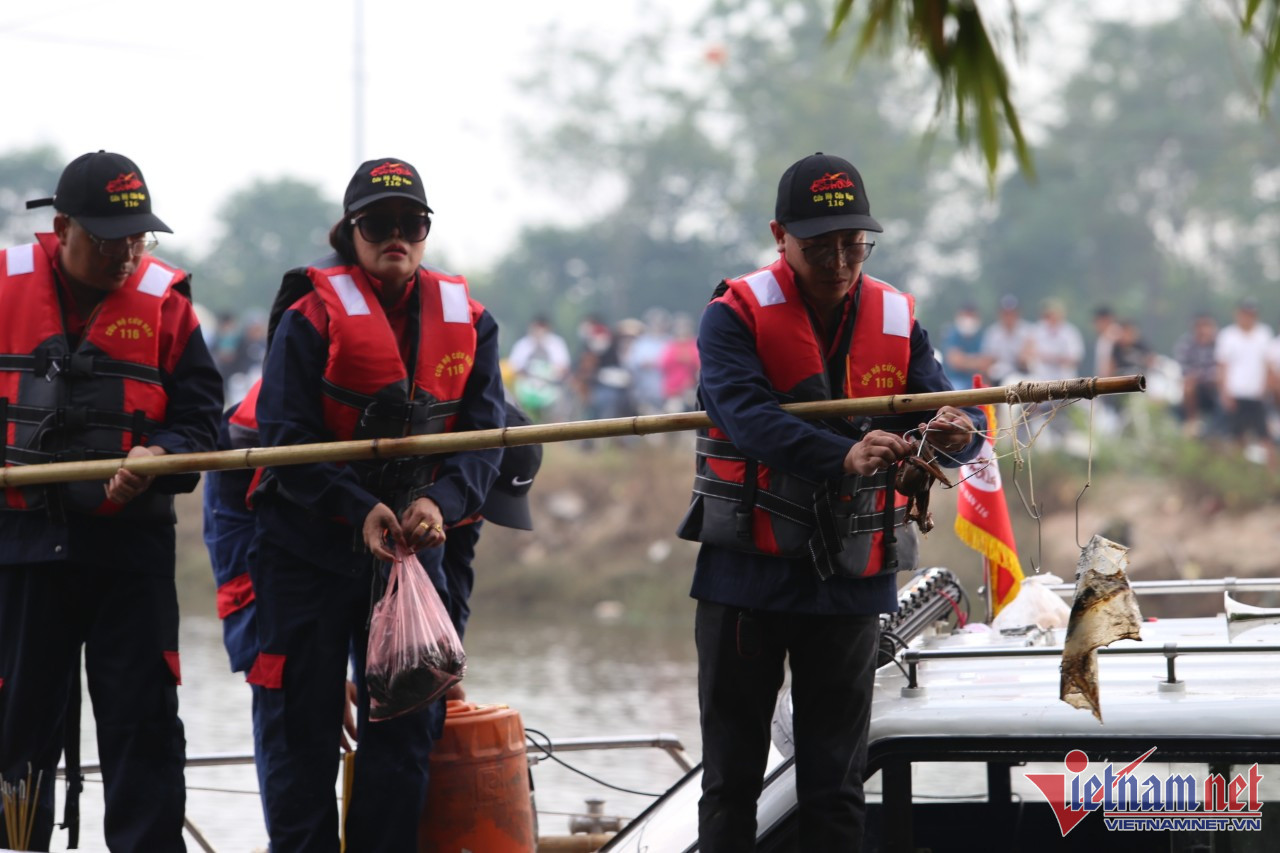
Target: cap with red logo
386	177
820	194
107	195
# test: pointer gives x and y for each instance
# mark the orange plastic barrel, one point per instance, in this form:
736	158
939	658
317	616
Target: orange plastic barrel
479	798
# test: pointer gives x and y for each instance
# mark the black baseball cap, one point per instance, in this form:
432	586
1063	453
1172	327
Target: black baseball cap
106	194
386	177
508	500
822	193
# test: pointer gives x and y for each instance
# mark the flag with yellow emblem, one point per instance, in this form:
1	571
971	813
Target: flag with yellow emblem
982	519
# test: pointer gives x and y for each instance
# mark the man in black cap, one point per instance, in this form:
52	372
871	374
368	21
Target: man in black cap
790	570
102	358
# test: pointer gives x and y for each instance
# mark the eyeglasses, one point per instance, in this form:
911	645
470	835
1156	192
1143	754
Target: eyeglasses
133	246
825	254
376	227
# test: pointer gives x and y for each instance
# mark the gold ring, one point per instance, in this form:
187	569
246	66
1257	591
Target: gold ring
436	528
424	525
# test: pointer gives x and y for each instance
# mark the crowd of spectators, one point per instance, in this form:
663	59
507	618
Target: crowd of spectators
609	370
629	367
238	343
1222	382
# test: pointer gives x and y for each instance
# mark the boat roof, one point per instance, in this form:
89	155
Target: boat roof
980	686
982	683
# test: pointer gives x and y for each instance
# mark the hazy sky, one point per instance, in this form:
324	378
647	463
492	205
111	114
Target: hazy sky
206	96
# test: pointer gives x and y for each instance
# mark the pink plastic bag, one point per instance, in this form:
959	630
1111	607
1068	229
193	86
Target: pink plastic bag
414	652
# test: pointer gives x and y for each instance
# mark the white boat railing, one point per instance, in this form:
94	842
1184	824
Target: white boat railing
1170	651
1186	587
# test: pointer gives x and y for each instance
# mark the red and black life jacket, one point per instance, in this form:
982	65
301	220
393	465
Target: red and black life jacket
744	504
368	392
94	401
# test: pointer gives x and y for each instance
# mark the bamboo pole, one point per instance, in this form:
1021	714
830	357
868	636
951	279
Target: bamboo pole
1079	388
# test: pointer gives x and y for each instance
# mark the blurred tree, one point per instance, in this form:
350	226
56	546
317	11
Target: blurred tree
268	228
1157	190
661	145
25	175
973	83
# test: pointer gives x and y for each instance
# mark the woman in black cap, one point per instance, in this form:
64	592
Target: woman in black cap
365	343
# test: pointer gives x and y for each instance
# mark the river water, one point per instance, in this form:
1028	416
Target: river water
571	678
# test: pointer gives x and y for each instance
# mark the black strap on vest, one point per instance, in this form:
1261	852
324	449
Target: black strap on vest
138	430
4	430
825	540
393	411
766	500
890	542
80	366
26	456
39	364
80	417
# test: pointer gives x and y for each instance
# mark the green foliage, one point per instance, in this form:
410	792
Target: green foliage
269	227
673	160
971	75
951	34
1149	196
1268	35
1215	470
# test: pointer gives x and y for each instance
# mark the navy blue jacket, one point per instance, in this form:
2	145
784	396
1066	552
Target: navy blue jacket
290	412
229	528
739	398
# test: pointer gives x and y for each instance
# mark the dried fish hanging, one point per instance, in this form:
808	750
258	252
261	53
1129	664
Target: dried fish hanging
20	801
1104	610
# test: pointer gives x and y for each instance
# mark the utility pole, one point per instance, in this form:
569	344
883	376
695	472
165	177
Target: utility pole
357	84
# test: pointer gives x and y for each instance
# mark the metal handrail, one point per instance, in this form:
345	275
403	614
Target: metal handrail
913	657
668	743
1186	587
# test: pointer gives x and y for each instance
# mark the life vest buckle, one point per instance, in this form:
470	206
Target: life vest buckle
380	414
42	364
73	418
81	366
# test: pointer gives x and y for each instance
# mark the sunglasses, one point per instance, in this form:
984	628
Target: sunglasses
825	254
376	227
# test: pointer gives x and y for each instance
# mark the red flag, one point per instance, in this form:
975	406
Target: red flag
982	518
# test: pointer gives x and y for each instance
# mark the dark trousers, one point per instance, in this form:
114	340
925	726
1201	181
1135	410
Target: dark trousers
459	553
308	620
128	625
740	670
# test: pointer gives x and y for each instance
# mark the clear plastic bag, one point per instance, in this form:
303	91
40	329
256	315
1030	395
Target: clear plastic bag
1035	604
414	652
